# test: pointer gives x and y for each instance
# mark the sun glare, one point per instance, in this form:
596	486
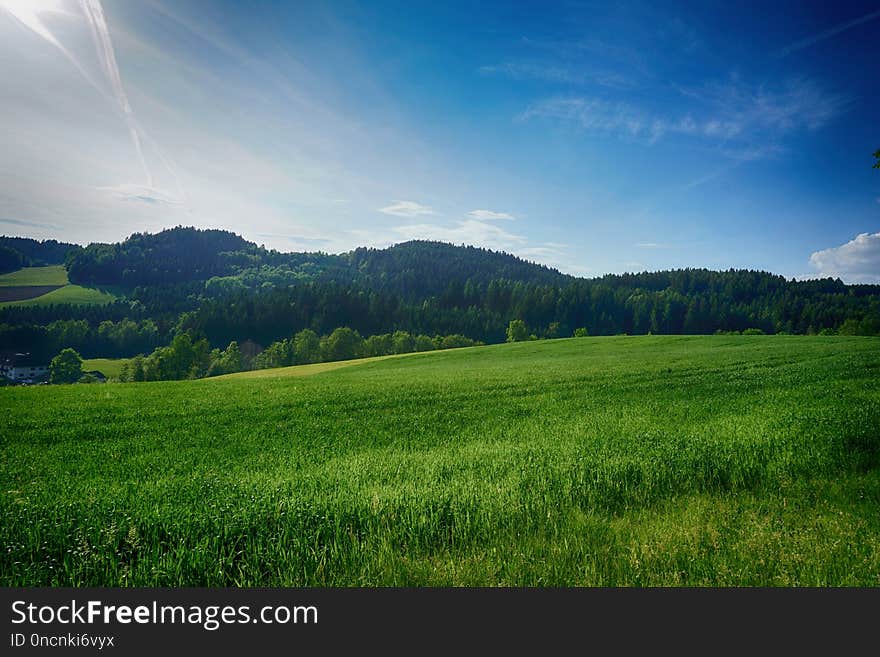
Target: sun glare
28	11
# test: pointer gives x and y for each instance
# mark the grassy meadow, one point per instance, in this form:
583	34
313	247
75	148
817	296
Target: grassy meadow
653	460
45	286
109	367
35	276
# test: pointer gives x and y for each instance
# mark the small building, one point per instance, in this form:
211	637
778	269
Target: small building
22	368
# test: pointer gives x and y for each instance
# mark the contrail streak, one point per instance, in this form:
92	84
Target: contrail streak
94	13
35	25
827	34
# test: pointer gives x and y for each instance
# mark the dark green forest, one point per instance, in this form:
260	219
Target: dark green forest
217	288
18	252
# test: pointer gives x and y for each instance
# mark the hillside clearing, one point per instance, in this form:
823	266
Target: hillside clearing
109	367
55	275
71	294
45	286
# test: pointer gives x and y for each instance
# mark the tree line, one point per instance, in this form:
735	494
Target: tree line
104	339
18	252
189	358
213	285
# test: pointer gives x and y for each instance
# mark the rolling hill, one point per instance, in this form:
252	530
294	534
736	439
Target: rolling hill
46	286
215	285
673	460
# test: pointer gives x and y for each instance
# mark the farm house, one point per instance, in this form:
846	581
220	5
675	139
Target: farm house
23	368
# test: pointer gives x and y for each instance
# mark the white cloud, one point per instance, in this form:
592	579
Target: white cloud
489	236
553	255
857	261
468	231
407	209
651	245
489	215
538	252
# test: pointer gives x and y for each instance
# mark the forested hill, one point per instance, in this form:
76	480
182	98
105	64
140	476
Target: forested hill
173	256
420	269
18	252
413	270
216	285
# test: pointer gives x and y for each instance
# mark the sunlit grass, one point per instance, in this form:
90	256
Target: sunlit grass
72	294
596	461
305	370
109	367
51	275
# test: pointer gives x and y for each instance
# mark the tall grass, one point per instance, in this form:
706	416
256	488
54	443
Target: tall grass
592	461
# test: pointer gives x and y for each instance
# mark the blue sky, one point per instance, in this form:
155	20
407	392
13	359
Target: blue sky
594	137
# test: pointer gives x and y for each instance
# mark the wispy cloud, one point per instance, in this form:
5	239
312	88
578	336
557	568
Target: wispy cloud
827	34
540	252
627	57
746	121
141	193
652	245
28	224
557	73
554	255
857	261
490	236
489	215
748	153
299	241
407	209
592	114
466	231
709	177
796	104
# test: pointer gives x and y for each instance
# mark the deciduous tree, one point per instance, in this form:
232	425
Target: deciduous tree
66	367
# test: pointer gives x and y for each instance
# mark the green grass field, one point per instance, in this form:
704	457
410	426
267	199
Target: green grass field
109	367
41	277
665	460
74	294
305	370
